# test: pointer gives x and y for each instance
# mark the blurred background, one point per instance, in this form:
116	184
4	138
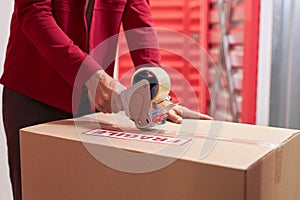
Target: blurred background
253	43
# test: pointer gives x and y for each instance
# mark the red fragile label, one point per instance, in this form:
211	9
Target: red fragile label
137	136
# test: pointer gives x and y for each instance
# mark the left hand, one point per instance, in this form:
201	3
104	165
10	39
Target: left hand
178	113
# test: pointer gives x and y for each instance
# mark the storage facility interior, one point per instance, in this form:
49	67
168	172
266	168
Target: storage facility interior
235	60
254	46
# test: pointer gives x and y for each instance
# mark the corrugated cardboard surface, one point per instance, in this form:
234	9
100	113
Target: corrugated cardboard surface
242	163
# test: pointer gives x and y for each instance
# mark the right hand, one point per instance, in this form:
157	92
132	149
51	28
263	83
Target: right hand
104	92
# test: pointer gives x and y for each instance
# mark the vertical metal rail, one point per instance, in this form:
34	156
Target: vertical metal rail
224	11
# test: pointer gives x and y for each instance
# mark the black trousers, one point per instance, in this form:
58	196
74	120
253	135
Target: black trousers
19	112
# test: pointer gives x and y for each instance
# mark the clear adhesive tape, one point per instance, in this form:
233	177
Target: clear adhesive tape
159	80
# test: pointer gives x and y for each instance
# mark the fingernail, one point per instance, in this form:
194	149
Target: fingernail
179	120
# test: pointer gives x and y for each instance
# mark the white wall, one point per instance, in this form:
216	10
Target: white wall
6	7
264	63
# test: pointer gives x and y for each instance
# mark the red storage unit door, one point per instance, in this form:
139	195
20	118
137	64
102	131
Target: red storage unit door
242	35
199	20
182	16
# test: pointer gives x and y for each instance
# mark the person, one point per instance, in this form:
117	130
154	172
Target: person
48	44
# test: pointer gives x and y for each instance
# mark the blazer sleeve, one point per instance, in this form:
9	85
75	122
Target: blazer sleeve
140	33
39	26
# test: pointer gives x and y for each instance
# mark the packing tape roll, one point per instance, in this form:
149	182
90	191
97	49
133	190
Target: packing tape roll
159	80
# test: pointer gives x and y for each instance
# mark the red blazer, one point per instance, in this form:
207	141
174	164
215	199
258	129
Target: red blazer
48	43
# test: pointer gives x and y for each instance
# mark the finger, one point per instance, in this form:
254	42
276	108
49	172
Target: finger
100	105
178	109
174	117
100	108
104	101
188	113
108	107
204	116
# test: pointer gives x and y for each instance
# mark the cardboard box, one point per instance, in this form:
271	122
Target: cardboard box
213	161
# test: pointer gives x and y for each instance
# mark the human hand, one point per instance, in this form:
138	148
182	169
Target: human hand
178	113
104	92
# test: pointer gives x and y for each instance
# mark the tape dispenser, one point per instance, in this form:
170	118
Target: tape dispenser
149	87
